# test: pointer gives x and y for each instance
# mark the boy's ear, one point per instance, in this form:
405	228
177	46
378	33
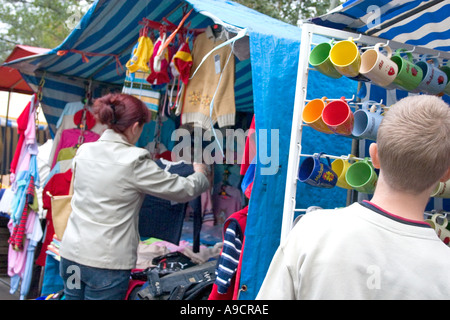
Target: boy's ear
373	151
446	176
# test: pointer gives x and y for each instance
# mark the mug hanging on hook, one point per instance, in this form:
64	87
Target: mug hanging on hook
316	173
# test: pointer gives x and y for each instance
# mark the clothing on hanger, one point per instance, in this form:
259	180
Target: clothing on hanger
227	282
20	263
58	184
224	205
67	121
66	154
26	134
152	132
215	78
70	138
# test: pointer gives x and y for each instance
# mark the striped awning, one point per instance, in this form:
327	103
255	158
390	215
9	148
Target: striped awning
416	22
101	44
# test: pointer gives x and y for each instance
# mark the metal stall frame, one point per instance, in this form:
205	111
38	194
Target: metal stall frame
295	148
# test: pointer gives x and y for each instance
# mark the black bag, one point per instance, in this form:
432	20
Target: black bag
172	262
193	283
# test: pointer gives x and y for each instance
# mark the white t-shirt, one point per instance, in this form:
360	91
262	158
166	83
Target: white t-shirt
359	252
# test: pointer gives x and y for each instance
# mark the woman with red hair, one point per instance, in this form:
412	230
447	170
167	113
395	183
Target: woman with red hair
111	178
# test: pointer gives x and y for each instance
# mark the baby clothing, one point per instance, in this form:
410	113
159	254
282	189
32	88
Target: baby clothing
216	73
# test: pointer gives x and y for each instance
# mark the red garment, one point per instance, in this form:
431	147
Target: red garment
89	117
22	123
183	62
58	185
250	148
160	75
167	155
233	289
134	283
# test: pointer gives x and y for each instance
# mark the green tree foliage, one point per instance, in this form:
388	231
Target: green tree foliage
46	23
40	23
291	11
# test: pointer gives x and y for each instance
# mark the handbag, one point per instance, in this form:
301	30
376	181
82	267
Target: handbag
61	210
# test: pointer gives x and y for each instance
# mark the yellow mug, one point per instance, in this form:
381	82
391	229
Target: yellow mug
346	58
312	115
340	167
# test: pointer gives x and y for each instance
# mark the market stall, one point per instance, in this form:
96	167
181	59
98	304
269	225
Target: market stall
93	60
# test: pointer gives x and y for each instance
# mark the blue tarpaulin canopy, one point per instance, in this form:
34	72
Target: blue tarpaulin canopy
265	84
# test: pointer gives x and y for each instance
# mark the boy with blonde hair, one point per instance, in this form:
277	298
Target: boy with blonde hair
382	248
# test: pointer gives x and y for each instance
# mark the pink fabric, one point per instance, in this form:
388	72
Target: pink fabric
207	208
17	259
225	205
69	138
29	145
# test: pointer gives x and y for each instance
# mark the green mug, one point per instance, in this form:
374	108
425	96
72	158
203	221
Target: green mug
446	69
409	75
361	176
319	59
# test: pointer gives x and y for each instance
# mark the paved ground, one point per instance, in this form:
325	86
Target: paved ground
4	290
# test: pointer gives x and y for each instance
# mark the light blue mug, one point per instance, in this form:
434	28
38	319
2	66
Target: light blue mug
433	79
367	121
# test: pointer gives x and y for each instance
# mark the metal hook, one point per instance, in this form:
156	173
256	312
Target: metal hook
39	92
432	57
409	51
348	157
359	38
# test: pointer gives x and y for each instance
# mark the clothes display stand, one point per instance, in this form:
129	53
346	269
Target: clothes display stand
295	148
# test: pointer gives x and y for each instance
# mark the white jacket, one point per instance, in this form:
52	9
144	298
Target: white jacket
111	179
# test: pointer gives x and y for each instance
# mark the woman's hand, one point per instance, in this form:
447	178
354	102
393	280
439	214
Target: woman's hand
201	167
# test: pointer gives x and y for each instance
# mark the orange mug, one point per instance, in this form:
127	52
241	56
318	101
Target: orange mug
312	115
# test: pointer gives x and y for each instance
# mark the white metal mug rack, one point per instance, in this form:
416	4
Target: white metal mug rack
295	148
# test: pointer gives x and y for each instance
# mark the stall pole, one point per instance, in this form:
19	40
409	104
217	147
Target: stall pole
296	132
4	139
